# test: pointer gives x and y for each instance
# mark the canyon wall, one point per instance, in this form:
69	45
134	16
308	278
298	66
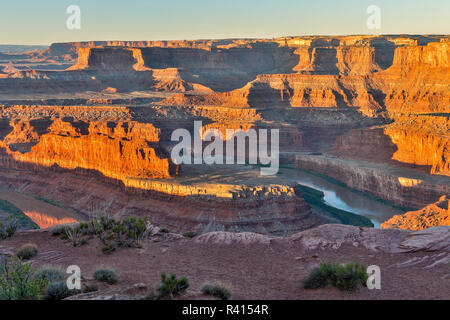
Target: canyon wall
377	74
269	209
401	186
353	80
116	150
102	160
419	141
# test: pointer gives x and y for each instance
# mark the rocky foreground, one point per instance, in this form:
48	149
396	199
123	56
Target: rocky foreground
414	265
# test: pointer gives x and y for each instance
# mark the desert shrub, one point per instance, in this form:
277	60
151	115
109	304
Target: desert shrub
27	251
75	236
171	286
135	229
129	232
59	229
90	287
50	274
190	234
351	276
321	276
151	295
109	248
217	290
17	281
8	230
59	290
106	275
3	234
347	277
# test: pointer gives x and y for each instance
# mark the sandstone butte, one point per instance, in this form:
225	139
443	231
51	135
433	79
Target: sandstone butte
435	214
369	111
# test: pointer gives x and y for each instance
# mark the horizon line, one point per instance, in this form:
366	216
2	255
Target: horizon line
236	38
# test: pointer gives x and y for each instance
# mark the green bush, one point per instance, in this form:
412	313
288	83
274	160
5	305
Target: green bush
109	248
190	234
59	290
347	277
8	230
351	276
321	277
17	281
75	236
171	286
50	274
151	295
90	287
106	275
129	232
27	251
59	229
217	290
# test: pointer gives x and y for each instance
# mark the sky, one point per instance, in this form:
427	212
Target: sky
43	22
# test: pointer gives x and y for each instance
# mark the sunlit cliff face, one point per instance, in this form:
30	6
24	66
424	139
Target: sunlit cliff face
46	221
116	150
420	141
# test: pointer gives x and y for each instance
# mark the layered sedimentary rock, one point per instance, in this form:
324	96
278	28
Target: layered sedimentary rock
403	186
379	75
435	214
129	171
115	149
341	83
419	141
266	209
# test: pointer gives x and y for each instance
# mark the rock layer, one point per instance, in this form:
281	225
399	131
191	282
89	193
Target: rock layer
436	214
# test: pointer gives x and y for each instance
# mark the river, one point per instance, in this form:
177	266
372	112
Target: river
343	198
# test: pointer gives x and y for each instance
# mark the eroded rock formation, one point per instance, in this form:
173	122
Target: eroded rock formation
116	150
436	214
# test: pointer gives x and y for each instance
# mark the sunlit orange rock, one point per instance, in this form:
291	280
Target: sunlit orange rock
46	221
436	214
115	149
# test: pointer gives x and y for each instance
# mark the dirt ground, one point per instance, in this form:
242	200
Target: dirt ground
254	271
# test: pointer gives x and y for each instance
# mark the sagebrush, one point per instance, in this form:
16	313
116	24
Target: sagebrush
106	275
348	277
217	290
27	251
9	229
59	290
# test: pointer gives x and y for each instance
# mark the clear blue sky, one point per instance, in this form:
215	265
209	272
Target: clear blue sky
44	21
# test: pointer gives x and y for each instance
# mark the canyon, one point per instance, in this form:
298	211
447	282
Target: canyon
88	125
